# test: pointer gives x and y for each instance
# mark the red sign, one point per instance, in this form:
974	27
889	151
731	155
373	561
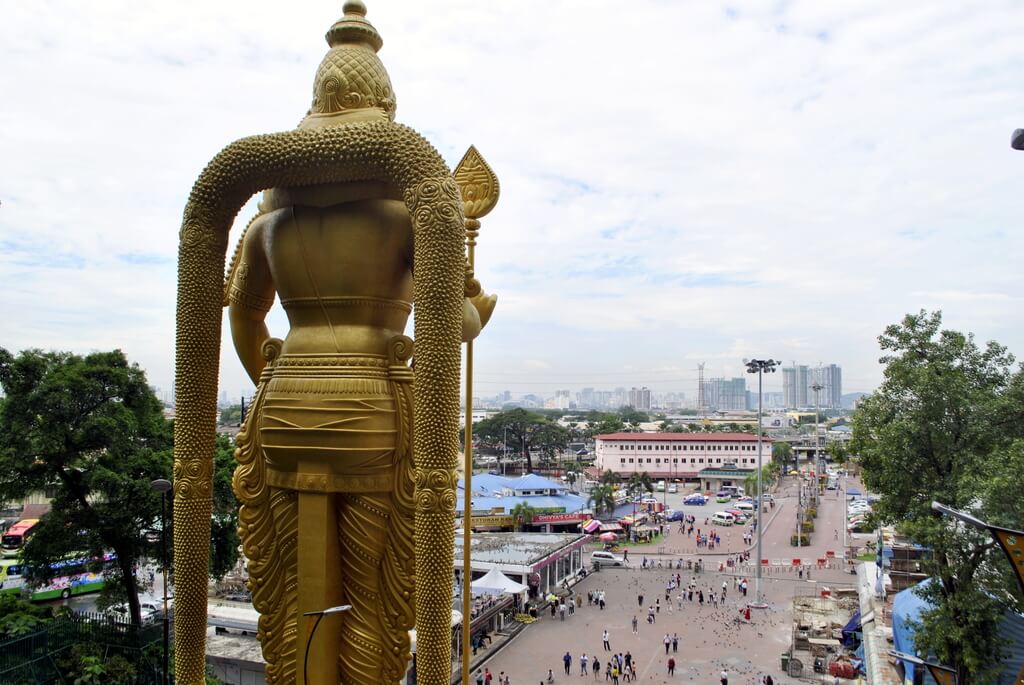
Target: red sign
560	518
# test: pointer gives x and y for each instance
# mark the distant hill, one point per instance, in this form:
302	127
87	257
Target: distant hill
850	399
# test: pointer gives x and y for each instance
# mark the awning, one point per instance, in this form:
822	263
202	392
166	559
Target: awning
611	528
496	583
591	526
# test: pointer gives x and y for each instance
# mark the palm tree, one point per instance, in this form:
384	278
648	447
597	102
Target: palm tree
522	515
609	477
602	499
639	483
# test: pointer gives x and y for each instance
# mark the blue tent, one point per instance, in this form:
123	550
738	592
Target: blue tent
907	608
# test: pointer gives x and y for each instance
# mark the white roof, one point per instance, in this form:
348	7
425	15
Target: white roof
496	583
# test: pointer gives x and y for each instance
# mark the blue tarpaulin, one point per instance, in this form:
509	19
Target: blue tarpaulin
907	608
851	629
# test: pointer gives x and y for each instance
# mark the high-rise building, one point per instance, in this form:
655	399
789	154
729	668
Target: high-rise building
725	394
831	379
795	381
640	398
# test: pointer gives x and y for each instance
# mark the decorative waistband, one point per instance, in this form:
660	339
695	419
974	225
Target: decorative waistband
353	302
333	366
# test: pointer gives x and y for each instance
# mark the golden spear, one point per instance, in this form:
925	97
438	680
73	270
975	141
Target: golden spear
480	190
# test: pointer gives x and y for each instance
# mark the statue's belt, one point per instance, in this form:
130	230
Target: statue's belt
328	423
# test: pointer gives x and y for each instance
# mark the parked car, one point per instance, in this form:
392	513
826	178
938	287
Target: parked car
738	516
601	558
148	610
746	507
673	488
675	515
722	518
723	497
696	498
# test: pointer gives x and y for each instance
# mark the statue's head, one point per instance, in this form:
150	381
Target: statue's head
351	83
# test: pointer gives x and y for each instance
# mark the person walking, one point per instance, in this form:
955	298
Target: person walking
671	666
640	600
668	642
675	642
488	678
723	677
604	638
479	677
561	611
635	631
583	664
596	667
567	662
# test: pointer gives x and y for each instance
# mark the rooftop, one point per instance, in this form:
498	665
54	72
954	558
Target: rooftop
683	437
520	549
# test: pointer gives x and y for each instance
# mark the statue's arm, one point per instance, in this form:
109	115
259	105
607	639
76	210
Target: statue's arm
250	296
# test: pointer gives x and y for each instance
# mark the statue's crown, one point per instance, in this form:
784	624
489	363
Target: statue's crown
351	76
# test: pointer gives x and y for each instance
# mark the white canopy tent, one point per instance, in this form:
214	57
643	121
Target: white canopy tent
496	583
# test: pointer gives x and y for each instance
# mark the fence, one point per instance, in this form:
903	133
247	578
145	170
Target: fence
33	659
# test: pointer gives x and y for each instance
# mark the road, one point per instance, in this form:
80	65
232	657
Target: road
709	639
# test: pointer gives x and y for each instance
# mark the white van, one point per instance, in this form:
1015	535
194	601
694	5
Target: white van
602	558
747	507
722	518
661	486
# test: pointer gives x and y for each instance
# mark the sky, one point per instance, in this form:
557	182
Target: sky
681	182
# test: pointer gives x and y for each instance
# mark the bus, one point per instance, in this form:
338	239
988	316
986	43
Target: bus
71	577
16	535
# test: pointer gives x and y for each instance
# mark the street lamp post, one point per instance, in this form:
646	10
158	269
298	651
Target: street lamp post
309	640
759	366
817	444
504	449
163	486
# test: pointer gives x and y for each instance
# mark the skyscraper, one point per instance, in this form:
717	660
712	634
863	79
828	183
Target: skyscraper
640	398
795	380
831	377
722	394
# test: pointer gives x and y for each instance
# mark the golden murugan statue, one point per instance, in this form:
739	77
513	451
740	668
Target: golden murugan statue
360	219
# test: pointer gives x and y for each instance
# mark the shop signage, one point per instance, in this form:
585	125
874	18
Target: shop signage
495	521
560	518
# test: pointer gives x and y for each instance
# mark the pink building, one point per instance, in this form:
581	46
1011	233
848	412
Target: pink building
670	456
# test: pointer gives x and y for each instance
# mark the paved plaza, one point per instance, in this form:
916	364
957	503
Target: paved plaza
709	637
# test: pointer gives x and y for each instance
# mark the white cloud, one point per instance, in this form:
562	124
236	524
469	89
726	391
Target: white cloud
677	183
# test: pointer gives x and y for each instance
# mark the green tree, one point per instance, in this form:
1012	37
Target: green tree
602	423
782	452
633	417
838	451
526	431
639	483
522	515
930	432
609	477
224	540
602	499
90	427
231	415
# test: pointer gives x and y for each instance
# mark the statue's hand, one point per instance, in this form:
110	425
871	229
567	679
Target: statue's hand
484	305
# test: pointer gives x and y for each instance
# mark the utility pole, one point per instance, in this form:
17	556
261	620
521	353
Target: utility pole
759	366
816	387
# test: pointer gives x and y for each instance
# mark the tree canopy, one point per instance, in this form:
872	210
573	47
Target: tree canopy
526	431
92	428
944	425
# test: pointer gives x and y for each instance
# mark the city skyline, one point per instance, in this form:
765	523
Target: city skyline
806	176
